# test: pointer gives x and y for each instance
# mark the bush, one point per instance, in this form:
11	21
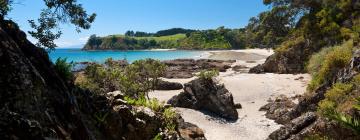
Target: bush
208	75
317	60
153	104
332	60
141	77
335	96
169	117
64	69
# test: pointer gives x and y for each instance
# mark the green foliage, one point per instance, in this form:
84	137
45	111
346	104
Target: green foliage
154	104
56	12
141	76
220	38
5	7
208	75
317	60
329	63
347	120
121	42
337	95
209	39
169	117
158	137
100	79
64	69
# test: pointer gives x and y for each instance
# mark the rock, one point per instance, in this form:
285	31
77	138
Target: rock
185	68
189	131
116	95
277	109
206	95
35	102
238	106
239	68
165	85
288	61
294	127
299	78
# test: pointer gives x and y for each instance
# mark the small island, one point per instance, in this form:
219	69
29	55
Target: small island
175	38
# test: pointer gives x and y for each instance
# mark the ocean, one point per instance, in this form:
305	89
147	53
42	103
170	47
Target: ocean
77	55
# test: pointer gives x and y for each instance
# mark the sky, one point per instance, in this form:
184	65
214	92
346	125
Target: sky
118	16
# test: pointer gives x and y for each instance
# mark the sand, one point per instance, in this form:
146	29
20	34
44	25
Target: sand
250	90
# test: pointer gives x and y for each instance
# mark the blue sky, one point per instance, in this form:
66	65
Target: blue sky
118	16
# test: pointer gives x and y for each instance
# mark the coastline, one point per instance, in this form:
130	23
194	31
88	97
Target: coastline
252	91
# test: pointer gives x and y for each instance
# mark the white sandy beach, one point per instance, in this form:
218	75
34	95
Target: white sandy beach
251	90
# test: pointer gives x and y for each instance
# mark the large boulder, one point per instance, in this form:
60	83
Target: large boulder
189	131
288	61
206	95
166	85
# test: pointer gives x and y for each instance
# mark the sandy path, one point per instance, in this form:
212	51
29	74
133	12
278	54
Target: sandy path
252	91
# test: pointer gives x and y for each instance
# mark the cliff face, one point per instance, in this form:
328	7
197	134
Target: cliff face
35	102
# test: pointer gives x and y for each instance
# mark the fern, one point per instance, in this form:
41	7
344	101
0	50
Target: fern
348	121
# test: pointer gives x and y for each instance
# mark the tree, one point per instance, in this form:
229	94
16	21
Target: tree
55	12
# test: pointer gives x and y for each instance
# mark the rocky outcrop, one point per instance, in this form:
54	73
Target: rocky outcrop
185	68
294	127
36	103
289	61
206	95
277	109
301	121
165	85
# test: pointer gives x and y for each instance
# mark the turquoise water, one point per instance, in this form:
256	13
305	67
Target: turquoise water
76	55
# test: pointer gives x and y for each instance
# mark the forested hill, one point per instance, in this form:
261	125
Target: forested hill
176	38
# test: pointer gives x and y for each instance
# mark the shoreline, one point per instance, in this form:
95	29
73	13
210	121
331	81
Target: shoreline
252	91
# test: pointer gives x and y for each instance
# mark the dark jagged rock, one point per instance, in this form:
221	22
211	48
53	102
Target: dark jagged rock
277	109
301	121
294	127
165	85
32	90
185	68
36	103
207	95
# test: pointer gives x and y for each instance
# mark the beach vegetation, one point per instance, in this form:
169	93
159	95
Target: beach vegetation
325	64
64	69
208	74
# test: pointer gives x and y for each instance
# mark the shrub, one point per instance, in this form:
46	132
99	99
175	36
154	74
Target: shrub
64	69
335	59
169	117
141	77
208	75
317	60
335	96
347	120
153	104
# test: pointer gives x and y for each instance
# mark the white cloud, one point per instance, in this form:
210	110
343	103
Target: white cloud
84	39
66	43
